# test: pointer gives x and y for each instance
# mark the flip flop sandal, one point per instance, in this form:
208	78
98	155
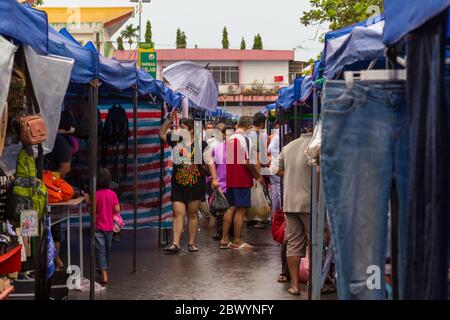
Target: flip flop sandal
294	293
226	246
192	248
173	248
242	246
282	278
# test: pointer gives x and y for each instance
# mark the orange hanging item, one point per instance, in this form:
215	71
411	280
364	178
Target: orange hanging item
58	189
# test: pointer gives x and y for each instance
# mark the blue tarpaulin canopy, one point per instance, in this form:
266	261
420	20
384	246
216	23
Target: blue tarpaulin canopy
355	43
362	44
298	88
89	64
119	75
146	83
306	89
402	17
69	36
272	106
168	95
24	24
85	66
268	108
286	96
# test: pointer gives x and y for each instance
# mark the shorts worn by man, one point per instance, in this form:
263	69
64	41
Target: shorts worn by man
240	175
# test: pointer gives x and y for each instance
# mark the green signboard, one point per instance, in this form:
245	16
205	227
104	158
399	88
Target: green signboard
147	61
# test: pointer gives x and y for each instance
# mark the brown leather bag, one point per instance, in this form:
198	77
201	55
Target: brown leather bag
32	130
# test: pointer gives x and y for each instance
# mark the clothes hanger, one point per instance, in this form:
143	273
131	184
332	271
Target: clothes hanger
379	75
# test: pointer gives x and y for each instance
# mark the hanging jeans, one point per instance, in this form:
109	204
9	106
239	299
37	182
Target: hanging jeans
428	195
365	155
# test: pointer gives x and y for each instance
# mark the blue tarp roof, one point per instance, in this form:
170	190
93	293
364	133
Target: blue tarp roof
24	24
362	44
318	73
170	97
119	75
146	83
286	96
85	66
307	90
402	18
69	36
358	42
89	64
298	88
272	106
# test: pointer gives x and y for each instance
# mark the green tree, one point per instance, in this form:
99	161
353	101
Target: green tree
120	44
129	33
340	13
178	41
225	42
243	44
257	42
148	32
183	40
38	3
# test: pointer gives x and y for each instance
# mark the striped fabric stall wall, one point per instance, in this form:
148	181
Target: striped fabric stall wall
149	122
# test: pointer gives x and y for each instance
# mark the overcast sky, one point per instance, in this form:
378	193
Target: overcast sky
203	20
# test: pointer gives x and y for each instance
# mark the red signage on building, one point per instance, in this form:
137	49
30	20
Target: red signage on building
278	79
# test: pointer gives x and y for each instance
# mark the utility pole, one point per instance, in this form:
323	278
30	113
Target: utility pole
140	2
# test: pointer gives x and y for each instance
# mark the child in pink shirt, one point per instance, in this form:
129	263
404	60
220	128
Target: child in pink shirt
107	207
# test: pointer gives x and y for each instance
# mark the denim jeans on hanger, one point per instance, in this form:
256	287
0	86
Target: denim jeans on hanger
365	154
429	194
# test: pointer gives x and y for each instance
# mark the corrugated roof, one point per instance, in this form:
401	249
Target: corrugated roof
213	55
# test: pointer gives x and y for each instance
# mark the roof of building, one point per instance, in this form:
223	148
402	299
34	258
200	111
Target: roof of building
105	15
213	55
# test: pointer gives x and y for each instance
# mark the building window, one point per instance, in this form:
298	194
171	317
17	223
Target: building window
225	75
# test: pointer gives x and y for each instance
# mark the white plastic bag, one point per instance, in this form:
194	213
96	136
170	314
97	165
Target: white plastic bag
260	210
50	76
6	66
312	152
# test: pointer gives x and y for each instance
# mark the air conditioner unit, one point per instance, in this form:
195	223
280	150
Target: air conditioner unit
232	89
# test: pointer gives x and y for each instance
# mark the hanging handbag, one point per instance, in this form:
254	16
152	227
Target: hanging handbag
32	130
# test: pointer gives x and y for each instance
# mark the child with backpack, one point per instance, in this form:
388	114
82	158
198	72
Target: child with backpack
107	212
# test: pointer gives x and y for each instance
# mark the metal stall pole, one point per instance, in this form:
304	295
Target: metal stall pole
135	174
317	286
161	179
280	132
313	221
93	147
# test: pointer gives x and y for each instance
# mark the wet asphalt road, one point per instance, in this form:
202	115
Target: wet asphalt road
210	273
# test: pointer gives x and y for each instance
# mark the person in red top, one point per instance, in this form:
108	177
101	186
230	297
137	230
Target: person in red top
107	205
240	174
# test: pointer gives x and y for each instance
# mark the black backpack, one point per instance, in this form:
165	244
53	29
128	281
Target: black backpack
116	129
115	132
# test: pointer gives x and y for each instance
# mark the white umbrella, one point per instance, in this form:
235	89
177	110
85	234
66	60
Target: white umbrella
194	82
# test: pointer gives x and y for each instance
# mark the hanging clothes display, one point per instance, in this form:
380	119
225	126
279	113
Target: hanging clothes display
50	76
428	193
365	154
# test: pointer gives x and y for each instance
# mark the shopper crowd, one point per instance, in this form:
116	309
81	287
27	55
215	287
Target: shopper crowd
236	162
